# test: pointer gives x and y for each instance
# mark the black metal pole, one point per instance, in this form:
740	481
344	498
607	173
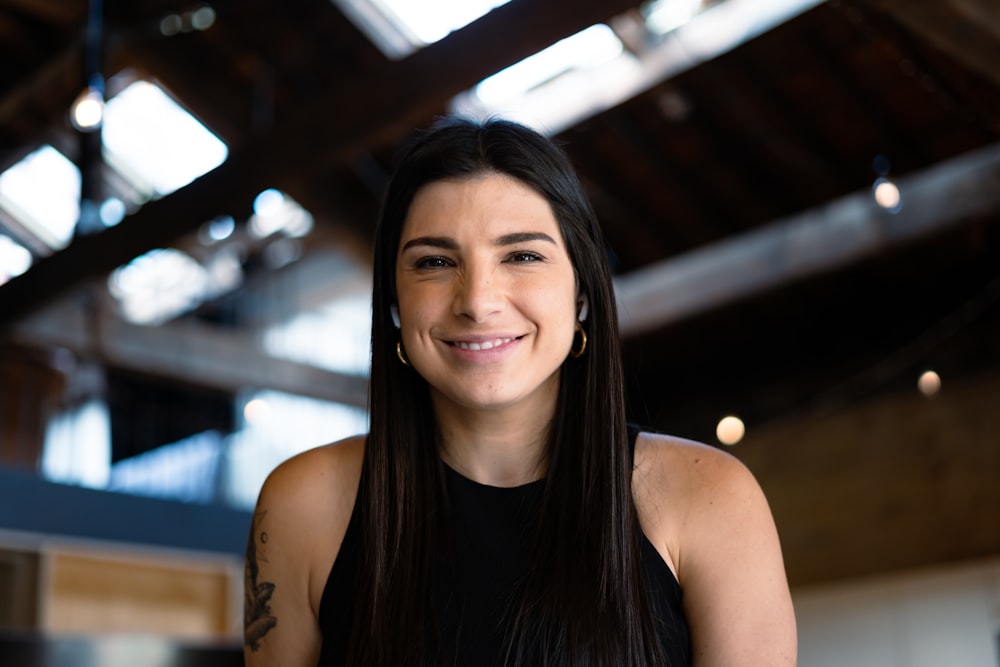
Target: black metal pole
90	159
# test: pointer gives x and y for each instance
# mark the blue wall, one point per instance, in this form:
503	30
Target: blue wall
31	504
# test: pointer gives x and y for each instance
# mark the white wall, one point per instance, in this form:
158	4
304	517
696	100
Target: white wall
943	617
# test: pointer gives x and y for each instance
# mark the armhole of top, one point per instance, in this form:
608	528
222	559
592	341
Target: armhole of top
633	435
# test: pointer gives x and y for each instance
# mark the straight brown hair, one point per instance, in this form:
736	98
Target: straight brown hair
584	601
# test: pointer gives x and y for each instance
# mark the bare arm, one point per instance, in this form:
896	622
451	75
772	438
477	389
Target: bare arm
300	519
724	547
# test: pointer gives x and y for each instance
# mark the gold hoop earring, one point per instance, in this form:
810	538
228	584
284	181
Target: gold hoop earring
399	353
576	354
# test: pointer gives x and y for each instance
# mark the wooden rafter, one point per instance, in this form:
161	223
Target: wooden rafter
817	241
405	95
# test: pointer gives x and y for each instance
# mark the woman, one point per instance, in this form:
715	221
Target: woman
500	511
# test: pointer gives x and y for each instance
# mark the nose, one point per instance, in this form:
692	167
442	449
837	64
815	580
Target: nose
478	294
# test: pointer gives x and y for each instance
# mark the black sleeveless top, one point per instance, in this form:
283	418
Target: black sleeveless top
490	546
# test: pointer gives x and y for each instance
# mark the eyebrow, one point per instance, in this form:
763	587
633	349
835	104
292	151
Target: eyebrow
442	242
523	237
446	243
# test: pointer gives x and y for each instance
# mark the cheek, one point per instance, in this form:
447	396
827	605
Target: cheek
412	301
418	312
420	304
556	307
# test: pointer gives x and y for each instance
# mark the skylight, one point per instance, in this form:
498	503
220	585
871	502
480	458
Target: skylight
164	283
663	16
42	192
548	89
155	144
432	20
585	50
15	259
306	337
263	441
400	27
592	71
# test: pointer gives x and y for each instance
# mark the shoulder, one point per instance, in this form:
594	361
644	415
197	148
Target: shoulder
706	514
686	473
298	525
319	472
687	491
657	455
306	503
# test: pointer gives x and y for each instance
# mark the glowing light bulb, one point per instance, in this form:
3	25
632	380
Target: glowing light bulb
256	410
929	383
730	430
87	113
887	194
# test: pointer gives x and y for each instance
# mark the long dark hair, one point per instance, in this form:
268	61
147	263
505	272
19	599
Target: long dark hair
583	602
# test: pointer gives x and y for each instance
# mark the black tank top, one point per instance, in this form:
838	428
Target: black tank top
490	542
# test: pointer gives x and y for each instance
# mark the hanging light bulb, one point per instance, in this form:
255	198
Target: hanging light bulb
87	112
887	195
884	190
730	430
929	383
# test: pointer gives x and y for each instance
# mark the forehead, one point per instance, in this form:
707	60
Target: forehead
480	204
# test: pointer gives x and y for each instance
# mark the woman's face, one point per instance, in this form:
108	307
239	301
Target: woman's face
487	293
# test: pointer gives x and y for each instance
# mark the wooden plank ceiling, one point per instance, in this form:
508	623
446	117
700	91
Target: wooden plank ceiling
783	125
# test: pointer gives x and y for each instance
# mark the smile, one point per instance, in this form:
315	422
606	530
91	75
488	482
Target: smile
482	345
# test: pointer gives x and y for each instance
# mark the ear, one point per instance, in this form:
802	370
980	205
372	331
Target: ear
584	307
394	313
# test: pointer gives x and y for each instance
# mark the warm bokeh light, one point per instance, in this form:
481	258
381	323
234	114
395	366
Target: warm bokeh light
929	383
886	194
88	110
730	430
256	410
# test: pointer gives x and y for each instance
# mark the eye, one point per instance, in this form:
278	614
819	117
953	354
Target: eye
435	262
524	256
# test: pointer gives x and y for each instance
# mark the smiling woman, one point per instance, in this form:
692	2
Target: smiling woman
486	308
500	511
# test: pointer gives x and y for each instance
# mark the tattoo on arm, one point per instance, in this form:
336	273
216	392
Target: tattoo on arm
257	618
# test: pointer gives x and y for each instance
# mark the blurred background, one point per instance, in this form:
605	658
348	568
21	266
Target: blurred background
802	204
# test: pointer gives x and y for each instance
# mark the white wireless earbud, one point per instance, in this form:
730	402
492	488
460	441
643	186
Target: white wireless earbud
584	307
394	313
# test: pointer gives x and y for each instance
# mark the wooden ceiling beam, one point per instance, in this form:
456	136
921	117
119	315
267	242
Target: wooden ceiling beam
194	354
967	30
818	241
59	78
334	130
222	107
52	11
799	140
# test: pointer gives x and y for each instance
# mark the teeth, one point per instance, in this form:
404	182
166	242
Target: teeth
485	345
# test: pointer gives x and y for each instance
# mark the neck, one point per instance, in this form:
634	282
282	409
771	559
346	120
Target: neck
501	447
